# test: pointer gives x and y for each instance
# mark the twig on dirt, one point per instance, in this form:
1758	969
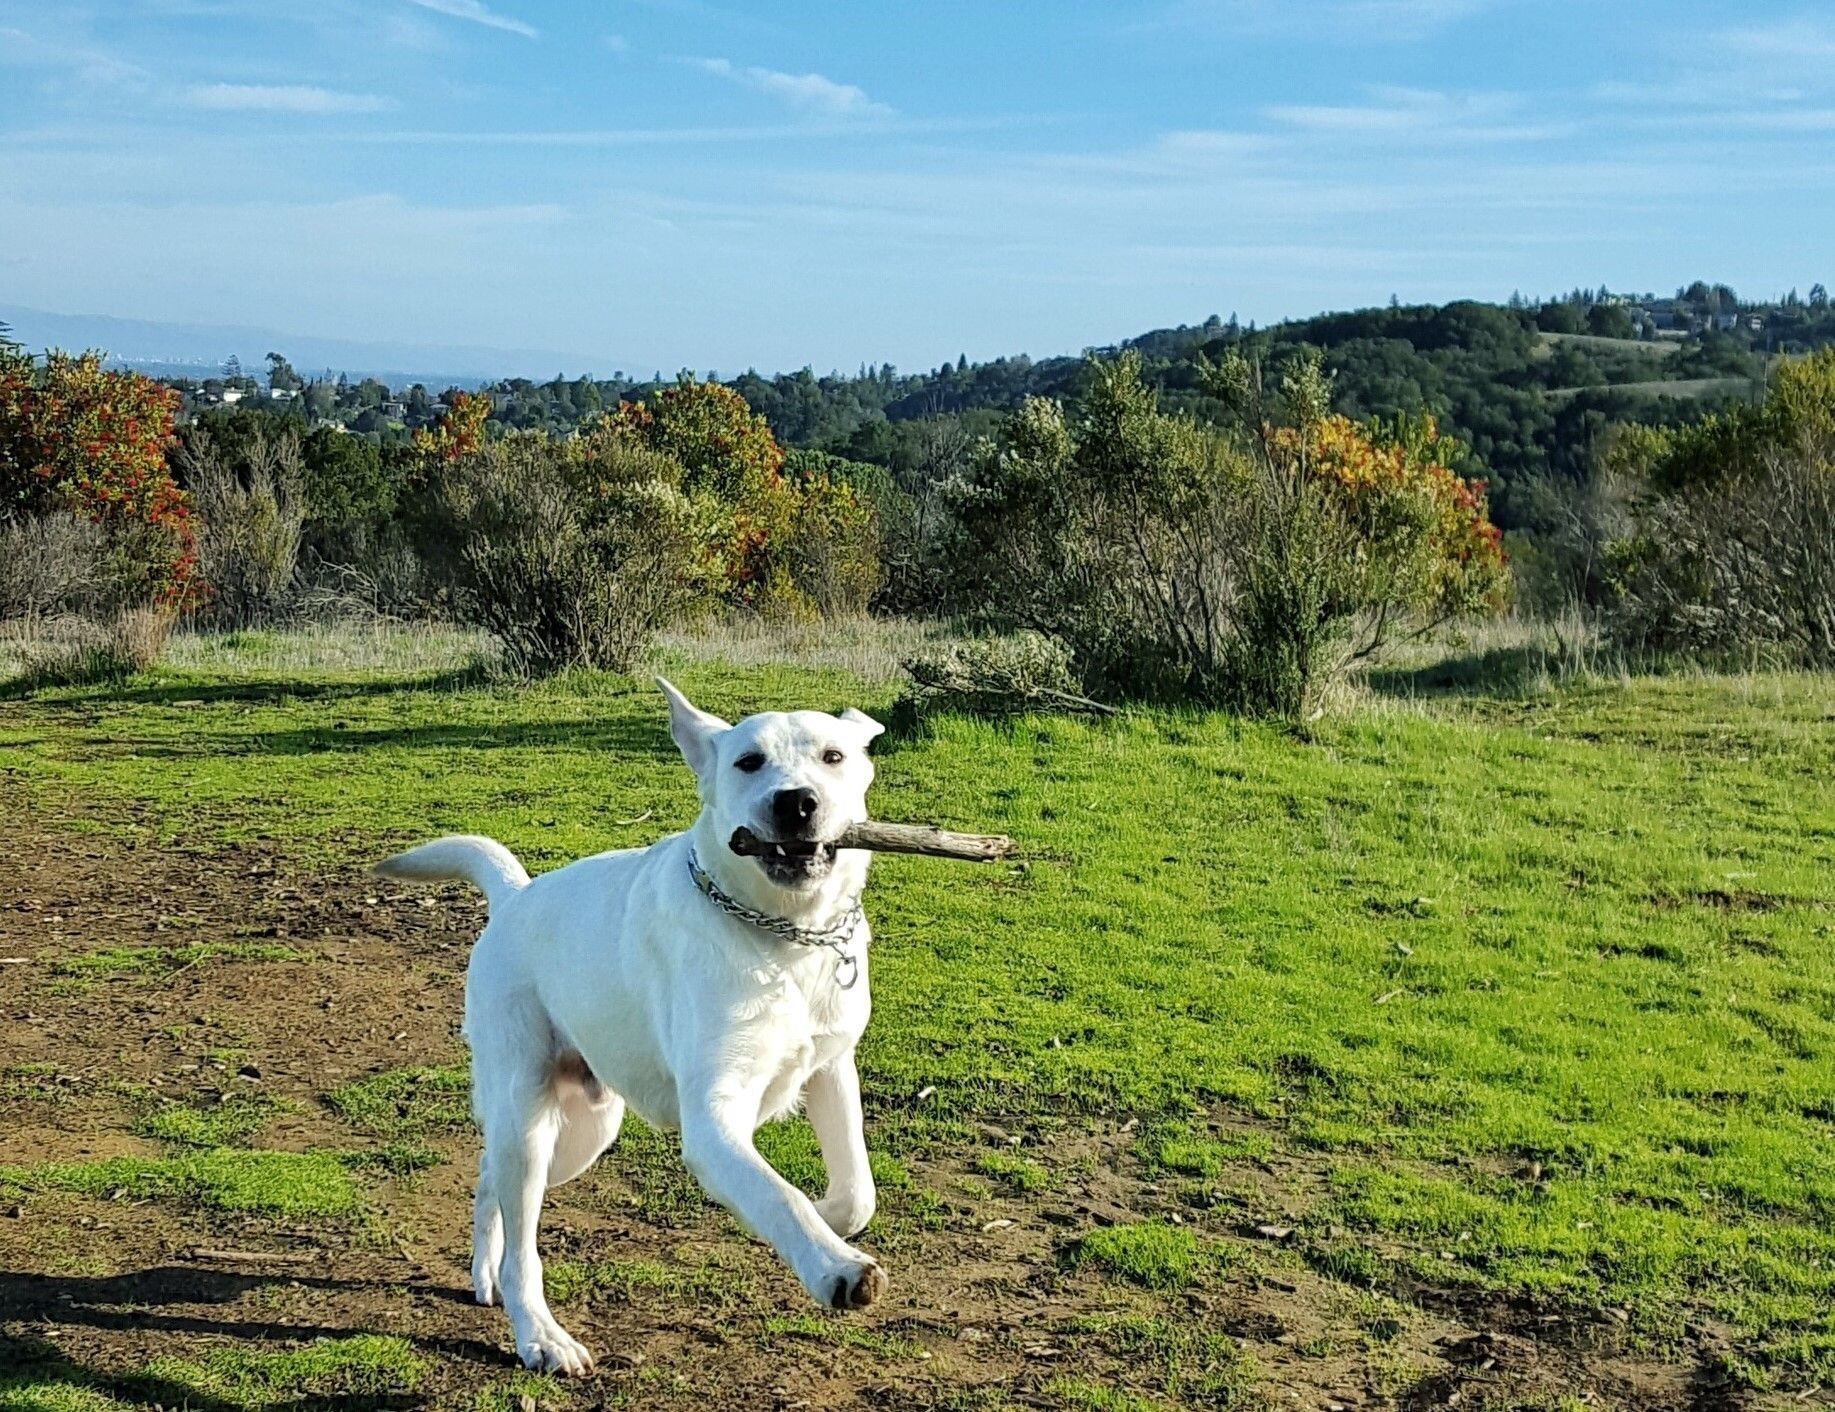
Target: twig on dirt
14	960
272	1257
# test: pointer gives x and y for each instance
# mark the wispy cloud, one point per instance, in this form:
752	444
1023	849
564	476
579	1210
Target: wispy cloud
89	65
282	98
478	13
808	93
1483	117
618	44
1796	41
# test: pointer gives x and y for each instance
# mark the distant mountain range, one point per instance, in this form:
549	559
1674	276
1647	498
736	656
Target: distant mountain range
199	350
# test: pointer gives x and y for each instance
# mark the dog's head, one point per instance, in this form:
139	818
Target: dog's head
796	779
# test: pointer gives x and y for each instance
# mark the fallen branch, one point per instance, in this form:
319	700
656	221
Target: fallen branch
926	839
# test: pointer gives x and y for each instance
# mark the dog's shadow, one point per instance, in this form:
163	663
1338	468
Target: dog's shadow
139	1301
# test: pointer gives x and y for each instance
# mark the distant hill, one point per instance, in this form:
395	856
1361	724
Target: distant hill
197	350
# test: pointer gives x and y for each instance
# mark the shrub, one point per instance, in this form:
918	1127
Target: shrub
786	545
1733	540
50	564
346	483
995	676
76	439
250	524
571	553
1246	566
831	547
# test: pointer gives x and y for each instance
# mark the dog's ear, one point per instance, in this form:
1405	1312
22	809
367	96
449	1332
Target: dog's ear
870	729
694	730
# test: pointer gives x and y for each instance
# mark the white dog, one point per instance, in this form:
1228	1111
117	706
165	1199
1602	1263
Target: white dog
709	991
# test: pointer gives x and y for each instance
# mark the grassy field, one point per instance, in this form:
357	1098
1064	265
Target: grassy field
1528	1000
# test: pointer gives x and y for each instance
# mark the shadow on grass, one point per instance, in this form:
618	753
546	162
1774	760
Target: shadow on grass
29	1363
143	1300
254	691
1501	671
614	738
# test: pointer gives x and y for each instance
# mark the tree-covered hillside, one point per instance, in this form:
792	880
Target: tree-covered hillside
1532	389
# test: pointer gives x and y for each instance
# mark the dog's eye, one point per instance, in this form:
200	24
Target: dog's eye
751	763
832	756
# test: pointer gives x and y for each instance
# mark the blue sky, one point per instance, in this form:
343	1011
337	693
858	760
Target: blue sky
716	184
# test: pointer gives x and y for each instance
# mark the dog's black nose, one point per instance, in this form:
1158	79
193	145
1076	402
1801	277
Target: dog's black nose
792	809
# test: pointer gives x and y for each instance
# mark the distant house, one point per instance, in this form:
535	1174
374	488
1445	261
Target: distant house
281	394
1726	323
232	394
395	411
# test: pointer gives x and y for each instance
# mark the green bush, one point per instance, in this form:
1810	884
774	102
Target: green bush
570	553
1732	548
1248	566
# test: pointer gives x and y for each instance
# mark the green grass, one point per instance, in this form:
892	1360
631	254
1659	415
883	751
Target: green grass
1185	1363
134	960
230	1123
841	1332
266	1183
1582	932
407	1103
703	1282
363	1370
1151	1254
366	1365
1019	1175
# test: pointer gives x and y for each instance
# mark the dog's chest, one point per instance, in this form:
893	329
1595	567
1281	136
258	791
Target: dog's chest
810	1021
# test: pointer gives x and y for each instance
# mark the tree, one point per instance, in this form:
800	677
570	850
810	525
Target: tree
77	438
232	368
281	377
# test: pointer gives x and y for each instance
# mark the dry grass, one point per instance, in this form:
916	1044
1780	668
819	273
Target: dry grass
375	644
869	649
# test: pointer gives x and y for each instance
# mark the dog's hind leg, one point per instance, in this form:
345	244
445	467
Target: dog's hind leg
520	1129
589	1125
486	1236
514	1100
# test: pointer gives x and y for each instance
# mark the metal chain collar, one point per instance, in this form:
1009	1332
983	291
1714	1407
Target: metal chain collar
833	938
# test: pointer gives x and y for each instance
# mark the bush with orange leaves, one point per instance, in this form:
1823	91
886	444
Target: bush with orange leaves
79	439
1248	566
577	552
782	544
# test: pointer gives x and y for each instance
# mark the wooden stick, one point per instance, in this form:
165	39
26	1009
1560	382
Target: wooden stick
926	839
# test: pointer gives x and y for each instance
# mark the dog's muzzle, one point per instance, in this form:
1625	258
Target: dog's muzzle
790	862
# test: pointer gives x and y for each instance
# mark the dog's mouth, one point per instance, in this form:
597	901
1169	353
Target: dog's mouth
790	861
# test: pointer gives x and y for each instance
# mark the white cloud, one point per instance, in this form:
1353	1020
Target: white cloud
808	93
282	98
478	13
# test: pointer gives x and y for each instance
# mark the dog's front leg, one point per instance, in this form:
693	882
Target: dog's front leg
833	1103
717	1146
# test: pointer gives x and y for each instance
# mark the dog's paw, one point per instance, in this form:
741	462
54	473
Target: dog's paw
857	1287
554	1350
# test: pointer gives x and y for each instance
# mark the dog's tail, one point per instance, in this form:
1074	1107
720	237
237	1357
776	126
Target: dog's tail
482	862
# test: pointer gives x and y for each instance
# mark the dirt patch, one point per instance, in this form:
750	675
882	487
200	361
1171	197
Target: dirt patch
193	1012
